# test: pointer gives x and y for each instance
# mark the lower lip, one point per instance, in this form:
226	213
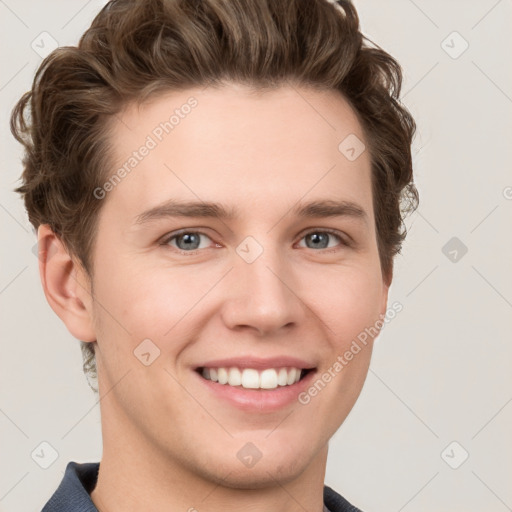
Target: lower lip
258	400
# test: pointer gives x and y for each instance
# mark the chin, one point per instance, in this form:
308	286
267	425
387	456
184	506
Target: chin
263	474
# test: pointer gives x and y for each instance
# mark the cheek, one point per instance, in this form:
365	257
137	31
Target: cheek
156	303
348	304
139	302
348	301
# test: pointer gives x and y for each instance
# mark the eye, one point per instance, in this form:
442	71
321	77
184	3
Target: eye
190	241
319	239
186	240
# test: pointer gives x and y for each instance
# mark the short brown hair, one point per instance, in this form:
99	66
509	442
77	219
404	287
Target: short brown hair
135	49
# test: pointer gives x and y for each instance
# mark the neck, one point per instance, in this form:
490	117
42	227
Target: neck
135	476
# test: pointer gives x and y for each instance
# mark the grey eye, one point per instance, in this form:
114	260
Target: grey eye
190	240
320	239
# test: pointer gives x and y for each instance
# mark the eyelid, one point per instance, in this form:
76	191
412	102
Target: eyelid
169	236
345	240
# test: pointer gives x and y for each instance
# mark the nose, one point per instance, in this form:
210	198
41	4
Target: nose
262	296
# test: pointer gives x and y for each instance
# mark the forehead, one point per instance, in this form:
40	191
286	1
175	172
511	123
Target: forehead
235	144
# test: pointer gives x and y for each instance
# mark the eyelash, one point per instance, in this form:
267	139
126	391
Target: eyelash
172	236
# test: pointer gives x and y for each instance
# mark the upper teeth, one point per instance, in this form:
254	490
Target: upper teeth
253	379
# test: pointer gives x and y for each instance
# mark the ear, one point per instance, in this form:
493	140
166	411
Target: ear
66	285
386	283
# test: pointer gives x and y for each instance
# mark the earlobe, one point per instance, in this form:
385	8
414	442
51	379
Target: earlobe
65	284
386	284
384	306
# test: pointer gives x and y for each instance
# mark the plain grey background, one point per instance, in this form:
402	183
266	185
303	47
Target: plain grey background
431	430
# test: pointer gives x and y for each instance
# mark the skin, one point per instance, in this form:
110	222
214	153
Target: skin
167	444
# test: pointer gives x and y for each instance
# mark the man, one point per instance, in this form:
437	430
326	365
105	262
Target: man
216	186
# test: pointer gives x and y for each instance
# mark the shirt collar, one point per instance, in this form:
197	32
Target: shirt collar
73	492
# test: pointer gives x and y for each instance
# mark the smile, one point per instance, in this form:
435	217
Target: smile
251	378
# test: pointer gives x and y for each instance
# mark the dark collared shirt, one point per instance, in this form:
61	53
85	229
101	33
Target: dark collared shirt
73	493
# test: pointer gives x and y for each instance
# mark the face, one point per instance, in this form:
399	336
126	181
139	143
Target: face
271	284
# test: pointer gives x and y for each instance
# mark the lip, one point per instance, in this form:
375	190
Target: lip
257	400
258	363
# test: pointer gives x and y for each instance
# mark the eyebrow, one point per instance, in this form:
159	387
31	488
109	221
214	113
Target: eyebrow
202	209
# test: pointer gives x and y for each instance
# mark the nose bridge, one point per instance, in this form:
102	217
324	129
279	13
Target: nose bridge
264	288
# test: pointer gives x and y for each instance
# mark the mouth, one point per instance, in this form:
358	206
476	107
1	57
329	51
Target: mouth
252	378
